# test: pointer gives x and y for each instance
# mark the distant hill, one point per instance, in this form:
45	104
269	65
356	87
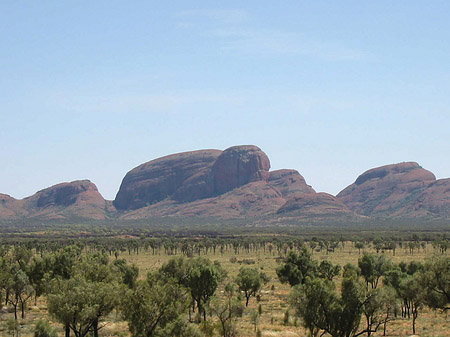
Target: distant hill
237	184
77	199
404	190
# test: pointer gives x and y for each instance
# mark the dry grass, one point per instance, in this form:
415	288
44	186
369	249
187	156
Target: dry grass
274	302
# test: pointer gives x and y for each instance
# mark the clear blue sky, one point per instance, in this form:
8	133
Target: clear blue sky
91	89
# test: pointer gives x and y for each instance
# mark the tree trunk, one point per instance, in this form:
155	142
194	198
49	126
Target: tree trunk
95	326
67	328
414	315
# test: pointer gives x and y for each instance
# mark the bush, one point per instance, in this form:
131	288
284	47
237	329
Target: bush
286	317
44	329
248	261
13	326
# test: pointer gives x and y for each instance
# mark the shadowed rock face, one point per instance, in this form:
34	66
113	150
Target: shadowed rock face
432	201
386	190
239	165
79	198
289	182
314	204
64	194
183	175
235	183
191	176
10	207
253	199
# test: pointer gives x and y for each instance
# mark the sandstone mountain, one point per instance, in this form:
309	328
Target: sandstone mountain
77	199
10	208
234	183
237	183
399	190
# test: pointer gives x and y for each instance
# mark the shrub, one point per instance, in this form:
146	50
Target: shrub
248	261
44	329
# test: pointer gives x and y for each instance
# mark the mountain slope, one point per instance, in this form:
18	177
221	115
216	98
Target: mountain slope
235	183
78	199
398	190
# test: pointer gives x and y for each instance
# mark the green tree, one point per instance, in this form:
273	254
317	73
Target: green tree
413	292
249	282
328	270
61	263
435	281
176	268
36	274
375	308
227	310
203	278
20	290
154	307
297	267
322	309
82	301
6	279
254	318
372	268
80	304
128	272
359	246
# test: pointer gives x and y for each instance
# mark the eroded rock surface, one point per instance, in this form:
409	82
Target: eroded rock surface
79	198
235	183
289	182
404	189
182	174
239	165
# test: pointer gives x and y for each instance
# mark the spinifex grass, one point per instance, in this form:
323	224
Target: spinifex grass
273	299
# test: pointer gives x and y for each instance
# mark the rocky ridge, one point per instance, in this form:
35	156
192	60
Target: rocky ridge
77	199
398	190
233	183
237	183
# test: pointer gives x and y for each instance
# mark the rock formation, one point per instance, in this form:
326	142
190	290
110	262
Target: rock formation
314	204
237	183
398	190
234	183
78	199
289	183
191	176
182	176
10	208
237	166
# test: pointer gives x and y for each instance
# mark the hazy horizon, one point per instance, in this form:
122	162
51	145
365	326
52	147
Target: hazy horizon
92	90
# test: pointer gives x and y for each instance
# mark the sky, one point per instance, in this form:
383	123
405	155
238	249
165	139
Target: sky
92	89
